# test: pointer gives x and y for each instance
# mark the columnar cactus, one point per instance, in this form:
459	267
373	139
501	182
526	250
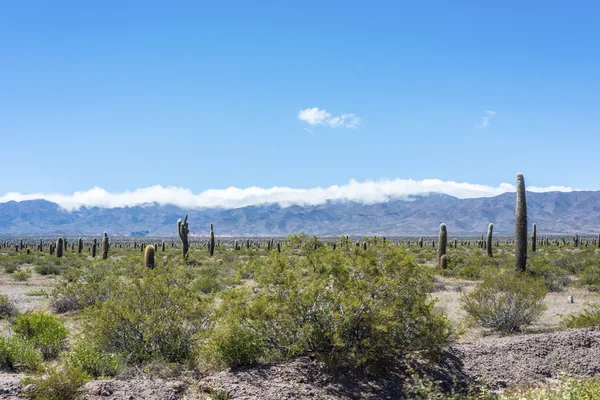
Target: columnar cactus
489	240
278	247
94	246
534	238
576	240
211	243
598	241
420	242
105	246
59	247
521	226
149	257
183	230
443	240
163	246
443	261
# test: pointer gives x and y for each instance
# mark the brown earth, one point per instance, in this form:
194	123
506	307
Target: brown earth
499	362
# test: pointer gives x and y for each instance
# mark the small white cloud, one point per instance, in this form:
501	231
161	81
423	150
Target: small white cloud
485	120
315	116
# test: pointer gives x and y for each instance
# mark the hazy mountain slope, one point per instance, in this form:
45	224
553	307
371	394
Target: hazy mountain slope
553	212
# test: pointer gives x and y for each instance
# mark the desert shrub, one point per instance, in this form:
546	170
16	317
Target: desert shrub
82	287
590	316
60	382
232	345
18	355
506	302
44	331
49	268
555	279
7	308
590	278
349	308
21	275
11	266
36	292
153	314
85	356
567	387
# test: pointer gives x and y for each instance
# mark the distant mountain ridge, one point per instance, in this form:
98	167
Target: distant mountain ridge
553	212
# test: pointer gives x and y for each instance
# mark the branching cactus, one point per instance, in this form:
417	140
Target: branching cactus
149	257
521	226
534	238
105	246
183	230
489	240
443	241
211	244
59	247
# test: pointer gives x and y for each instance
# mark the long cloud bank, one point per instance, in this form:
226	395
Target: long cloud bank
368	192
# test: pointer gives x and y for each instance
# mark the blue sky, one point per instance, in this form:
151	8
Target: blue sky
126	95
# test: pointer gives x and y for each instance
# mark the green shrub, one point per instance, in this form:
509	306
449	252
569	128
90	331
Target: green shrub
571	388
21	275
590	278
506	302
349	308
37	292
82	287
555	279
93	362
49	268
44	331
7	308
18	355
588	317
61	382
11	266
232	345
153	314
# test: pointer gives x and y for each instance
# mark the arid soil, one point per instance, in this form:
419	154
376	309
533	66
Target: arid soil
500	362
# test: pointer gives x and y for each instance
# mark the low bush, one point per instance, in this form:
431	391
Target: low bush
355	308
60	382
590	316
17	355
82	287
232	345
49	268
21	275
44	331
154	314
7	308
85	356
555	279
506	302
589	278
11	266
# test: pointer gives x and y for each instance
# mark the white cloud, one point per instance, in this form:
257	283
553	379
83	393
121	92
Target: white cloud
367	192
315	116
485	120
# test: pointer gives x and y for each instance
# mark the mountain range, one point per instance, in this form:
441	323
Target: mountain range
553	212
